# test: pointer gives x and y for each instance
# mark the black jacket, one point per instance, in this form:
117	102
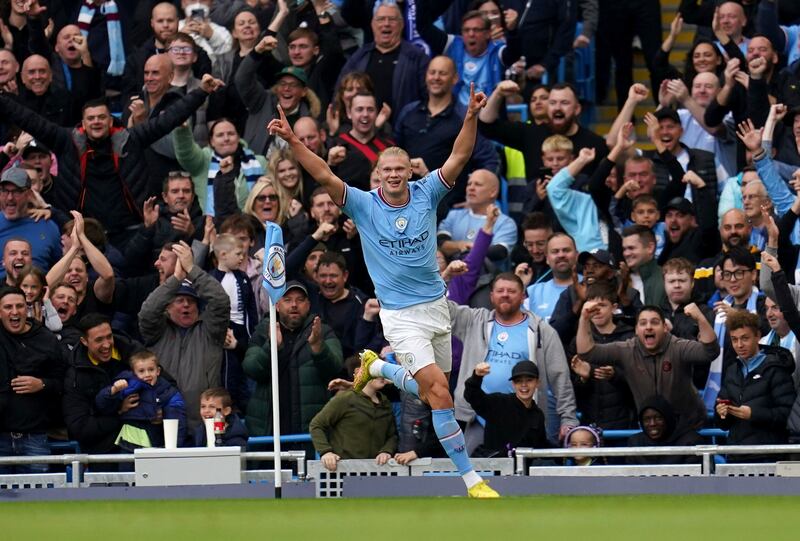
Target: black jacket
672	436
605	403
33	353
94	431
768	391
508	422
74	191
669	174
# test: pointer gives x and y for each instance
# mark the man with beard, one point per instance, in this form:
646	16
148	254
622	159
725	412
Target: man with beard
502	337
427	129
15	202
734	230
16	256
561	258
309	355
653	352
688	234
563	110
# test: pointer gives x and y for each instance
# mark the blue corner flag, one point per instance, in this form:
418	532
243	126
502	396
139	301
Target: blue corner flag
274	271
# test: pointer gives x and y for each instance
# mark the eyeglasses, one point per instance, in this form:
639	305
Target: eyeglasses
386	19
289	84
16	192
735	275
178	174
181	50
261	198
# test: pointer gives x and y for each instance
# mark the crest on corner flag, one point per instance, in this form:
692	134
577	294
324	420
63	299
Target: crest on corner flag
274	272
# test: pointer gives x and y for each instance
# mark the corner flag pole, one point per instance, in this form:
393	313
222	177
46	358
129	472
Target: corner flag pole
274	281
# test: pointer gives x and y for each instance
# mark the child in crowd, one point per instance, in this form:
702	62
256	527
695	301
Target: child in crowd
512	420
644	211
583	437
218	398
158	399
34	283
230	254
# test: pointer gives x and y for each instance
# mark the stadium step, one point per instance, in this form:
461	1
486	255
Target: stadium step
605	114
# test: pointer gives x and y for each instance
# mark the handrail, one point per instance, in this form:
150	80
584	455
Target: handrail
706	451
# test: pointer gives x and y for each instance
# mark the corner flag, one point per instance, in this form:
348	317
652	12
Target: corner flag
274	271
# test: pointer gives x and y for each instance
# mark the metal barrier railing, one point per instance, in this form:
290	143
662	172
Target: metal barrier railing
707	452
77	476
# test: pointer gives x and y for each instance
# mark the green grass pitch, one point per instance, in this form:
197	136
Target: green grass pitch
617	518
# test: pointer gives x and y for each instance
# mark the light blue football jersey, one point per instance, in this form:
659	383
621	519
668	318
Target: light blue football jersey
399	243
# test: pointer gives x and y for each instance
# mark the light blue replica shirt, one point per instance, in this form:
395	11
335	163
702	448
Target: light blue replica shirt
542	298
399	242
508	345
463	225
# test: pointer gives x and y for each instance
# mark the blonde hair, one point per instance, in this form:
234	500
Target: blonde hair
225	242
554	143
393	151
261	183
275	158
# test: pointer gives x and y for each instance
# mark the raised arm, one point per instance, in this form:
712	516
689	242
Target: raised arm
312	163
462	148
584	342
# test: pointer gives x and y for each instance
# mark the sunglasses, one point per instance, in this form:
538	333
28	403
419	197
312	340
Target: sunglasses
262	198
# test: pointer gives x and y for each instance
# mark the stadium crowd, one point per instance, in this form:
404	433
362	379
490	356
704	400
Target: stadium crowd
612	286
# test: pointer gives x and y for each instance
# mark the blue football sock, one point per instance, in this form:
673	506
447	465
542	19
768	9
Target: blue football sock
400	377
452	439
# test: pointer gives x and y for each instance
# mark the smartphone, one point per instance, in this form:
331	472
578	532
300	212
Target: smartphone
545	172
724	401
197	14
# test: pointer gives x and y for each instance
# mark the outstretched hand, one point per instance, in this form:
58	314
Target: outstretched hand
750	136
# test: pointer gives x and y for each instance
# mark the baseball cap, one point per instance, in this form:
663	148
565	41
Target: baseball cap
680	204
297	73
16	176
294	284
34	146
603	256
524	368
666	112
186	289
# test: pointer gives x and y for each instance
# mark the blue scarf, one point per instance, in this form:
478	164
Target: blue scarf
116	47
249	167
714	381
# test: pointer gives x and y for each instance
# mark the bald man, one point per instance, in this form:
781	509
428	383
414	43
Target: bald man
37	92
734	230
458	231
427	129
164	24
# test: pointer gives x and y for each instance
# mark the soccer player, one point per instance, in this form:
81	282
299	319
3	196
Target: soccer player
397	223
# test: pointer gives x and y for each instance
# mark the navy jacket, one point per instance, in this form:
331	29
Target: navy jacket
235	433
408	81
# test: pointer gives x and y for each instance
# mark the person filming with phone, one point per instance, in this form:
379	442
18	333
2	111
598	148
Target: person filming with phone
757	392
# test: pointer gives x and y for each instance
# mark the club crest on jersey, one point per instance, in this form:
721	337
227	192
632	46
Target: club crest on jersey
401	223
502	337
